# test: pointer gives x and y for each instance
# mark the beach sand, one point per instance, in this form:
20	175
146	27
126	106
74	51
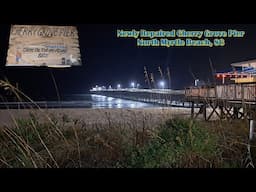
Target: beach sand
150	116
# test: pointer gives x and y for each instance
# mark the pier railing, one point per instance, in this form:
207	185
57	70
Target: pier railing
246	92
232	101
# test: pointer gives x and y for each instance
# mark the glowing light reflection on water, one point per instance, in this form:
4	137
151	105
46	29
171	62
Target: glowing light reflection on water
99	101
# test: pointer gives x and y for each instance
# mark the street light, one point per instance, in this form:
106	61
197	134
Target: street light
162	84
118	86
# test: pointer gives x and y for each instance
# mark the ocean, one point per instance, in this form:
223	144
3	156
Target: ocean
79	101
99	101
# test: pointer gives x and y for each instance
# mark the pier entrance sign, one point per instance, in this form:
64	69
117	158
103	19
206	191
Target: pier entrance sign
43	45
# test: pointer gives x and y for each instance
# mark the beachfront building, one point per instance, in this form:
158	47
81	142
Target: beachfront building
242	72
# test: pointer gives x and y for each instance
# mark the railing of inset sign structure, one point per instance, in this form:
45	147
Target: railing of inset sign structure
246	92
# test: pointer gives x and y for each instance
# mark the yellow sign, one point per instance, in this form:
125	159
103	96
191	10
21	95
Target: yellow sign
245	80
42	45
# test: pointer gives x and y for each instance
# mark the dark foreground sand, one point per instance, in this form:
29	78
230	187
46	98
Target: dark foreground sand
152	116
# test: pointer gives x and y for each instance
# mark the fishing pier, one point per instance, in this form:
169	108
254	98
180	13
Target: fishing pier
165	97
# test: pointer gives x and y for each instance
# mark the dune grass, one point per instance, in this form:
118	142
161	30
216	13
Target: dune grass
178	143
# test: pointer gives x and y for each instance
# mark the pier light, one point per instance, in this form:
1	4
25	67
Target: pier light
162	84
132	84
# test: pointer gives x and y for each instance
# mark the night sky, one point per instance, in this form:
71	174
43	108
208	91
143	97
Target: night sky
108	60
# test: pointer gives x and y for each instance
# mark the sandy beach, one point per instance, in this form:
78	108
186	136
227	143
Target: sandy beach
152	116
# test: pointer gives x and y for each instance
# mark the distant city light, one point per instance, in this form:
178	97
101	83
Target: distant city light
162	84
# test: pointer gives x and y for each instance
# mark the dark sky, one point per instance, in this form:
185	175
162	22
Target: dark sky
108	60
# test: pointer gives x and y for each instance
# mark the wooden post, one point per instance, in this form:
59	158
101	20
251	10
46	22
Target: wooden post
204	111
235	113
192	110
251	129
223	79
221	112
